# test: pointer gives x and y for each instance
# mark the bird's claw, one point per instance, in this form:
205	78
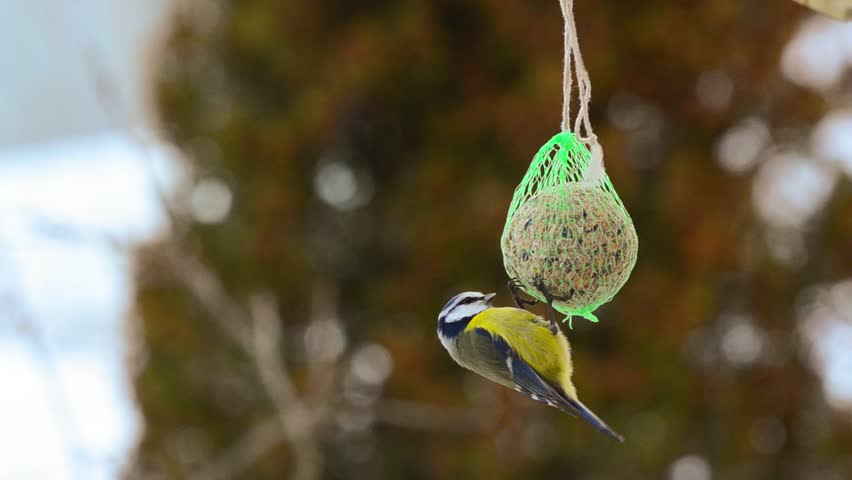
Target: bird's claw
523	303
520	302
551	317
551	312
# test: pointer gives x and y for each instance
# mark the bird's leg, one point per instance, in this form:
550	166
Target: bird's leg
551	315
551	312
520	302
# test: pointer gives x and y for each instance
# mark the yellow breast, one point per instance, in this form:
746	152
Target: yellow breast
529	336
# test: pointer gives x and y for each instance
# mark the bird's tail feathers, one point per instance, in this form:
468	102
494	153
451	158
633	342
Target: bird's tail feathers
584	412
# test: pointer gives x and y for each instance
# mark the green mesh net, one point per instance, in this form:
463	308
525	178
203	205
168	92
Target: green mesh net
568	237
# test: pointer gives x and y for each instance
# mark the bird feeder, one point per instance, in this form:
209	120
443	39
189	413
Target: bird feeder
568	240
568	237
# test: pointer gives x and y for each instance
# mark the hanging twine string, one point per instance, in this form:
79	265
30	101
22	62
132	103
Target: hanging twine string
574	67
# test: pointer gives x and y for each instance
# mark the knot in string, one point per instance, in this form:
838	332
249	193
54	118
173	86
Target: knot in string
575	68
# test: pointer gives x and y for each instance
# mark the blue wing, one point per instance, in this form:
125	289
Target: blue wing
525	377
530	382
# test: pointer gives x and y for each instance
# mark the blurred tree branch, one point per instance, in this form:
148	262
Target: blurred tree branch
430	418
297	421
210	294
257	441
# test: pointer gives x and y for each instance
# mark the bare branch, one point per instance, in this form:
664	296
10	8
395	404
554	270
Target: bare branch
323	348
259	441
297	421
431	418
211	295
267	353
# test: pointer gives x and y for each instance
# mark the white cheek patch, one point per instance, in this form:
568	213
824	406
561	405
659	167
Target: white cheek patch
464	311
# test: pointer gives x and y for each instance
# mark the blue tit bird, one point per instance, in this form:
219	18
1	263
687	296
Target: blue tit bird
515	348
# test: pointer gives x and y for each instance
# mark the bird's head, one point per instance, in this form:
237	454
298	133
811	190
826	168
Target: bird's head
460	310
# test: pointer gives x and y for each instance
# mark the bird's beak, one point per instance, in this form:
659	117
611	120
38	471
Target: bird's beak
490	297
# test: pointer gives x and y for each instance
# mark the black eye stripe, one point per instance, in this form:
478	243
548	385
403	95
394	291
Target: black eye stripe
459	301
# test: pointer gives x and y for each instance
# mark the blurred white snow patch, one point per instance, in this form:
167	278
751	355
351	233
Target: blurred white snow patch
325	340
739	148
75	290
690	467
790	188
832	139
340	185
825	322
103	426
67	407
819	53
743	341
100	183
94	394
30	437
210	200
372	364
